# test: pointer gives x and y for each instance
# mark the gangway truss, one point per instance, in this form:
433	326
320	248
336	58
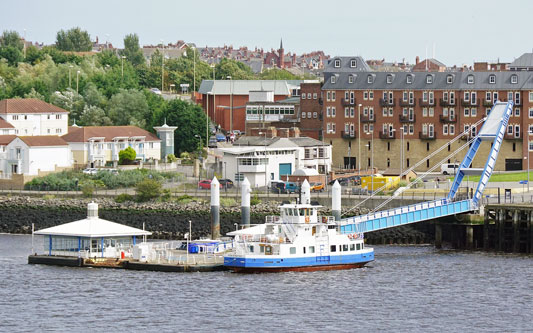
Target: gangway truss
493	129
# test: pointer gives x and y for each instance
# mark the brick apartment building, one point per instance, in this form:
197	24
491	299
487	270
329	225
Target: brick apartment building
311	110
431	107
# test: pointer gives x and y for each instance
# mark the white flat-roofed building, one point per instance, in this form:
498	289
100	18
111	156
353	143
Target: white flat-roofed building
262	160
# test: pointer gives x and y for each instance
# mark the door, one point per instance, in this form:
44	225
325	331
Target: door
512	164
285	169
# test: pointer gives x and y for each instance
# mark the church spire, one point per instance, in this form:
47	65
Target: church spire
281	44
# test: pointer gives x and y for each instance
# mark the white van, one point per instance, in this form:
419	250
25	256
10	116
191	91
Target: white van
449	169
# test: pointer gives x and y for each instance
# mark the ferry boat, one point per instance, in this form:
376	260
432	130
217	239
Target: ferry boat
296	240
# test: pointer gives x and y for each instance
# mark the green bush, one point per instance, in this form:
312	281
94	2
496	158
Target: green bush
255	200
227	202
123	197
148	189
171	158
126	156
87	189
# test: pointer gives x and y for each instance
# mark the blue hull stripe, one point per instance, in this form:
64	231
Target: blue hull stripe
299	262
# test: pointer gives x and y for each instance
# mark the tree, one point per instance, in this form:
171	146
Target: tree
129	107
126	156
70	101
11	38
191	123
74	39
237	70
94	116
148	189
278	74
132	50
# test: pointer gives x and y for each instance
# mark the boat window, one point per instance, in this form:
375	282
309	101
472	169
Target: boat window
302	212
288	212
358	247
333	248
352	247
304	249
251	248
362	246
293	250
340	248
262	248
311	249
345	247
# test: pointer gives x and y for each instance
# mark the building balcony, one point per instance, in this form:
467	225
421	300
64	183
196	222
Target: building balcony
447	119
387	135
348	102
407	103
442	102
426	136
407	119
487	103
475	102
368	119
348	135
426	103
387	102
320	101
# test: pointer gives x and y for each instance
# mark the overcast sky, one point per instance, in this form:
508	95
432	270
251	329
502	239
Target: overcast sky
460	31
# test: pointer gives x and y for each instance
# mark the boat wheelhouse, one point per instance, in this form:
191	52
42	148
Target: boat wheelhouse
297	240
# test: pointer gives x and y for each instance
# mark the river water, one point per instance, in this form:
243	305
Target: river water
405	289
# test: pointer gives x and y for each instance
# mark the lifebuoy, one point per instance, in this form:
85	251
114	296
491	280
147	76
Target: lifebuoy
307	219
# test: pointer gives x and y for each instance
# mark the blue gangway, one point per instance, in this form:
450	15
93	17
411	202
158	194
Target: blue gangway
493	129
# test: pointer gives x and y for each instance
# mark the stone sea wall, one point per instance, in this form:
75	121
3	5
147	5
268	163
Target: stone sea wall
164	220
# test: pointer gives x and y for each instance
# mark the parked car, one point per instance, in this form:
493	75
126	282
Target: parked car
449	169
155	91
90	171
356	180
220	137
317	187
277	187
343	181
212	142
205	184
291	187
226	183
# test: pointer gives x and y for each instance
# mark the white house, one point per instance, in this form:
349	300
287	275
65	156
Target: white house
263	160
30	155
31	116
98	145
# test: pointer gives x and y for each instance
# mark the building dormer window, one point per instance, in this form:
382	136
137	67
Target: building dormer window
337	63
449	79
333	79
470	79
492	79
370	79
353	63
389	78
350	79
409	79
429	79
514	78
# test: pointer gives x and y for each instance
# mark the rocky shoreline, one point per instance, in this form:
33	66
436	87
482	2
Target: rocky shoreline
166	220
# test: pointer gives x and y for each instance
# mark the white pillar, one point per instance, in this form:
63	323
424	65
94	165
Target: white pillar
336	200
306	192
245	202
215	208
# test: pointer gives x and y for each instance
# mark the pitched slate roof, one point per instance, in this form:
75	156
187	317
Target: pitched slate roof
83	134
361	65
524	61
28	105
43	140
243	87
6	139
5	124
419	80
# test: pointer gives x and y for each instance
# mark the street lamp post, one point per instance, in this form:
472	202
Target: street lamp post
265	164
359	134
69	78
230	103
77	80
372	160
